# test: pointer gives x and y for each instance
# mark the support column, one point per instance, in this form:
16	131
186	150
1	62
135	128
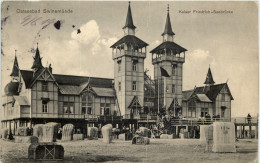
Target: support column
240	132
250	131
236	131
243	131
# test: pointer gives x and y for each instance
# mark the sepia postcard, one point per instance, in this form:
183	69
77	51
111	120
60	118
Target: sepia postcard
129	81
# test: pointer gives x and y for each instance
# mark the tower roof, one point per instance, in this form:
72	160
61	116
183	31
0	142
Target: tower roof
209	78
168	45
15	71
168	26
129	20
37	63
130	40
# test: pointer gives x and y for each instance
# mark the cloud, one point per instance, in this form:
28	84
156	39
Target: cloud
89	33
197	61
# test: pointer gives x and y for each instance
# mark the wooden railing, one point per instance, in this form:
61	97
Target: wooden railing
128	53
170	58
245	120
196	121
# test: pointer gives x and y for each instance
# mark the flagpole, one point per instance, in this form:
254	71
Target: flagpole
158	95
164	99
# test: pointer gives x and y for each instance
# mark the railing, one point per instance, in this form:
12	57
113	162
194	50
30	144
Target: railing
196	121
170	58
140	117
245	120
110	118
128	53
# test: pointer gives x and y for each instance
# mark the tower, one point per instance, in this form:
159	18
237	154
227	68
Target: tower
169	56
37	63
209	81
15	71
128	54
209	78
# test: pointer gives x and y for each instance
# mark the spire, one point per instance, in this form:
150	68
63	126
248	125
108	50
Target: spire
129	20
15	71
209	79
37	63
168	26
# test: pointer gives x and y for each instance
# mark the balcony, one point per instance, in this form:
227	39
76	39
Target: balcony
141	117
128	53
168	58
196	121
90	117
109	118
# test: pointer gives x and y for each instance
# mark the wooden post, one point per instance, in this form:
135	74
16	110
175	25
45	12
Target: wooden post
236	131
243	131
256	131
240	132
250	131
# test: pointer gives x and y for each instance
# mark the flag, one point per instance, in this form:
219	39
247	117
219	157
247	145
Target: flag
164	72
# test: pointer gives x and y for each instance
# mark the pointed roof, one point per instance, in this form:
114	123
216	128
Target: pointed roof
130	40
135	103
15	71
168	26
37	63
175	48
129	20
209	78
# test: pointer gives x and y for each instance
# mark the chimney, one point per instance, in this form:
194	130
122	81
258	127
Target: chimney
50	68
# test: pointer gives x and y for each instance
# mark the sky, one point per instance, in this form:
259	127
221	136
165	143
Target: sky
226	42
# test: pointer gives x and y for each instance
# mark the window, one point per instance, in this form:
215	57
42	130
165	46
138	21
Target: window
223	97
104	109
107	109
44	86
68	107
134	86
223	109
119	66
174	67
83	111
192	109
87	101
44	106
119	86
204	112
89	108
173	88
134	64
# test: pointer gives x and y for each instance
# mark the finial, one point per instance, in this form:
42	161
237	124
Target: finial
168	8
129	2
15	52
37	44
209	65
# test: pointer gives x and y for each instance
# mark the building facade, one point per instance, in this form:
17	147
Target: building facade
131	99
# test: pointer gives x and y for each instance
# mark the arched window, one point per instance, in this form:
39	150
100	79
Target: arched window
192	109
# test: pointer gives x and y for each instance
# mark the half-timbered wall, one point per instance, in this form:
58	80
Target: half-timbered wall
223	104
39	95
